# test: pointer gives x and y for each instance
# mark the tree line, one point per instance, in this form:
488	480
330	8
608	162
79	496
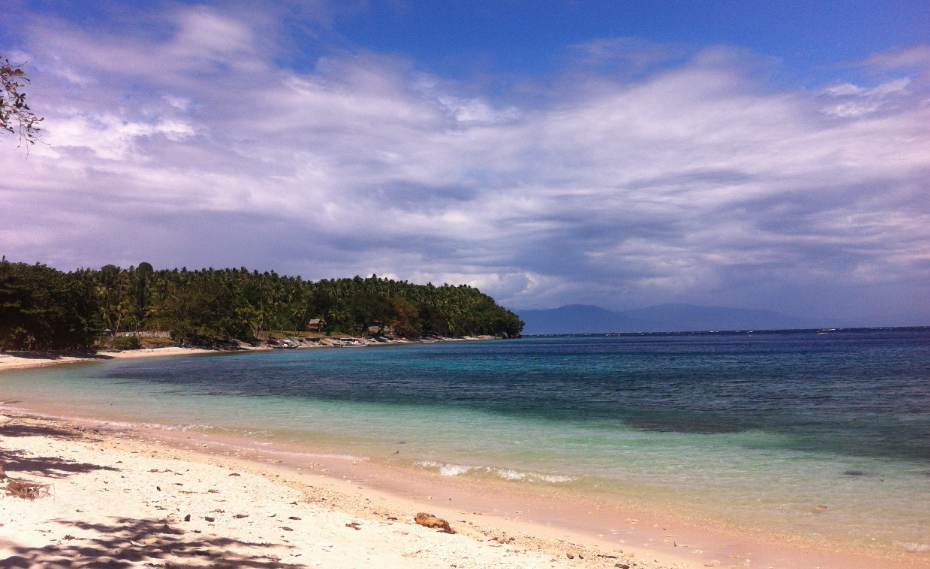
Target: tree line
44	308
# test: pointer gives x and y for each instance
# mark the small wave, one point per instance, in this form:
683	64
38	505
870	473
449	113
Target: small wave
322	455
157	426
105	422
913	546
446	469
453	469
181	428
532	476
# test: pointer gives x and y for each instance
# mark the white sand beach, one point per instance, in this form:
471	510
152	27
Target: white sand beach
26	360
117	501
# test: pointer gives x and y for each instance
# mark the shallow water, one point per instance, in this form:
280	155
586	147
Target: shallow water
751	429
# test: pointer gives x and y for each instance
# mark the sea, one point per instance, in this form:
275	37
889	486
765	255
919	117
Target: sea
808	433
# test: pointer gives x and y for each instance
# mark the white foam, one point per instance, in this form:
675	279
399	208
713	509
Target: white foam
323	455
555	478
509	474
913	546
454	469
447	469
182	428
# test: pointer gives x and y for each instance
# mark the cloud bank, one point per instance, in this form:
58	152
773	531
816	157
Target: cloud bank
642	174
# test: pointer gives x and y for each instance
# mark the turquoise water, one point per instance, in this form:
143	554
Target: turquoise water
736	427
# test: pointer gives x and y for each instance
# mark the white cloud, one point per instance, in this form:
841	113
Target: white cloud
855	101
477	110
180	103
695	181
915	58
111	137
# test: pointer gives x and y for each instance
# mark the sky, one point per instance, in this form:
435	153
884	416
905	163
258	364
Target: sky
624	153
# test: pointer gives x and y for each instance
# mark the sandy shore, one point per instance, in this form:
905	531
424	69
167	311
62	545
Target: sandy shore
119	501
26	360
120	497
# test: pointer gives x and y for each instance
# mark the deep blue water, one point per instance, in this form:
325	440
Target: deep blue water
862	393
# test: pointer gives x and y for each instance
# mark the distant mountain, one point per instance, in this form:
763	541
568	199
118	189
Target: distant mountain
585	319
577	319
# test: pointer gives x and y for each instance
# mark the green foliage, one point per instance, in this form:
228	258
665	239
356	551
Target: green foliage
44	309
209	307
127	343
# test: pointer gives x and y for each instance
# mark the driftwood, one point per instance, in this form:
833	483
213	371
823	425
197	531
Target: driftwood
26	489
431	521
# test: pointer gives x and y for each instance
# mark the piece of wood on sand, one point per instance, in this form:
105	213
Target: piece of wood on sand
431	521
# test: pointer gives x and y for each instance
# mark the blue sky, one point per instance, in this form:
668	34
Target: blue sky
523	37
526	37
758	154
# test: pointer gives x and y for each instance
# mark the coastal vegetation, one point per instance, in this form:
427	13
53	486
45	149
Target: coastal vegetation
44	308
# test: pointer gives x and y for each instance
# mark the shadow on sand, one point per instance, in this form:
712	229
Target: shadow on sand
13	429
55	355
151	543
49	466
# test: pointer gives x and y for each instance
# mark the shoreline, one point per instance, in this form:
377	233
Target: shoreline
36	359
18	360
543	519
119	496
488	512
